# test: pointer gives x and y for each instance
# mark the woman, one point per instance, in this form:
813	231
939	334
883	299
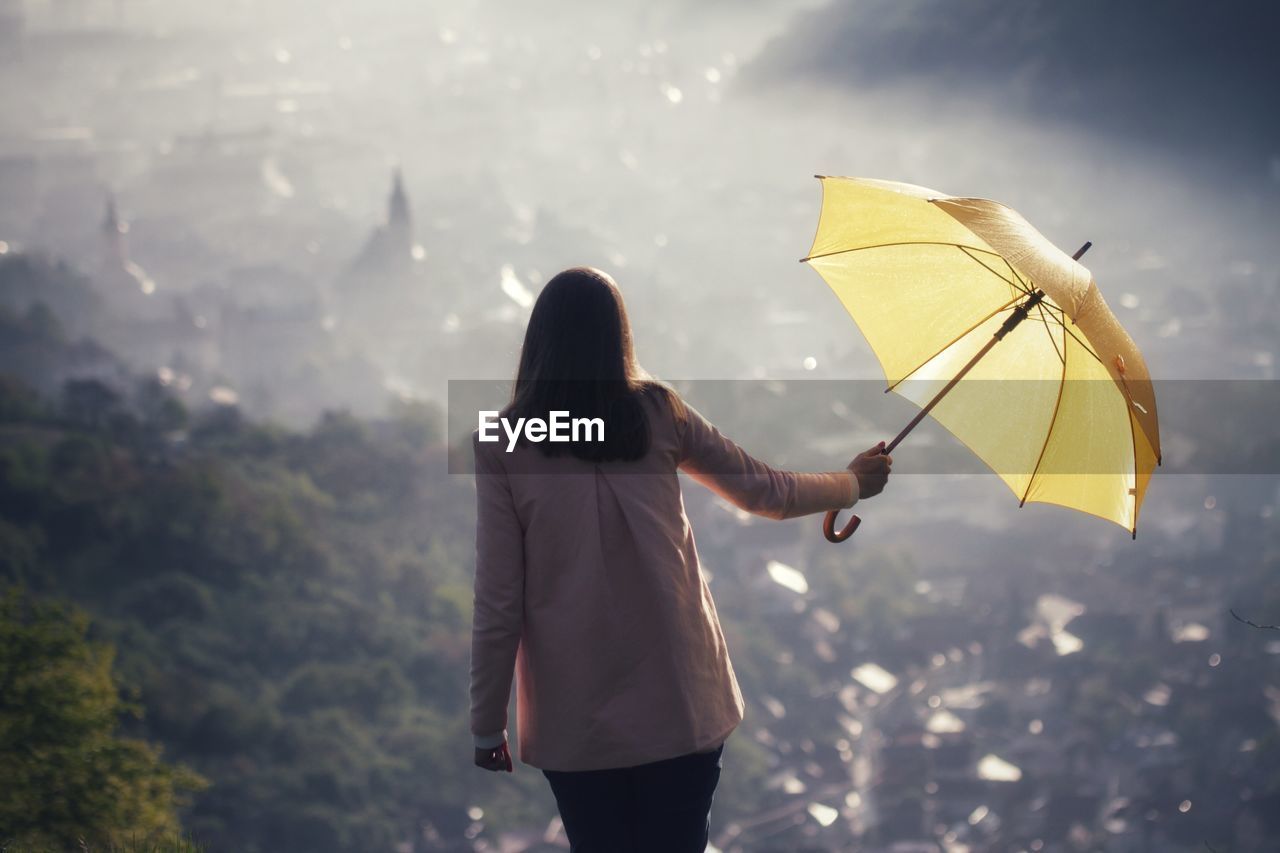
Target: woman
587	581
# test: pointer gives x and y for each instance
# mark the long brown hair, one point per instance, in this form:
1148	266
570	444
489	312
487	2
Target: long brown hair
578	357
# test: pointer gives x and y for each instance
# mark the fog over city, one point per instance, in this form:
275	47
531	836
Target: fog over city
289	209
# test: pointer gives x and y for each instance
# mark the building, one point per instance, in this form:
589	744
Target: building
125	287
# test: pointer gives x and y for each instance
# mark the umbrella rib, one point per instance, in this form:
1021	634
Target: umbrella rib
993	271
1020	285
1044	320
1015	273
1082	343
1060	315
1057	404
1026	288
1133	439
952	342
890	245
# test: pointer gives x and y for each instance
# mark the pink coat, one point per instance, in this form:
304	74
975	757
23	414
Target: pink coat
588	590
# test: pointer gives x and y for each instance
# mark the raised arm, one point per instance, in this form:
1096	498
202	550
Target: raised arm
729	471
499	599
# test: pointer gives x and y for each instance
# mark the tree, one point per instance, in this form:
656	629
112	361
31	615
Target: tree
42	323
68	774
161	411
89	402
18	400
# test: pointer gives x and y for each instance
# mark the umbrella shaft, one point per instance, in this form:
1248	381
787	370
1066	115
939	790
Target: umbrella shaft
1019	314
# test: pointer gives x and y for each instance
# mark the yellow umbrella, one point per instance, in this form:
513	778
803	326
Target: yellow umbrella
940	287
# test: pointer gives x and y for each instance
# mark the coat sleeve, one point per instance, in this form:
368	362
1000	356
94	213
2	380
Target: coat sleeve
498	609
722	466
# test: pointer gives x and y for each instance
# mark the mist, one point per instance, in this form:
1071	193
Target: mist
288	209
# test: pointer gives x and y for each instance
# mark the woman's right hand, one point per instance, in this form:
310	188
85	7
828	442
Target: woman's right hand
871	467
496	759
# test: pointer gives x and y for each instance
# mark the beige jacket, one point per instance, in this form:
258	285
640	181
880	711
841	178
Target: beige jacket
587	588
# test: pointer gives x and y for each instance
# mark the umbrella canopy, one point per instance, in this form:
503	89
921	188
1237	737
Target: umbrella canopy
930	279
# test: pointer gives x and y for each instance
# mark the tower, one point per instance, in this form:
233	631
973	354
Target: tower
399	217
381	299
114	253
116	271
390	256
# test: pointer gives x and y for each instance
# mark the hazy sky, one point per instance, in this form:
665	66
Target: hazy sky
674	143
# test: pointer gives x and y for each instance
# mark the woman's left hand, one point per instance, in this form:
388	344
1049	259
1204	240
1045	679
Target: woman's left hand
496	759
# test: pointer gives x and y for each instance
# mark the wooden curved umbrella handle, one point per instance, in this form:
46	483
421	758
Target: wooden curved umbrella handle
829	527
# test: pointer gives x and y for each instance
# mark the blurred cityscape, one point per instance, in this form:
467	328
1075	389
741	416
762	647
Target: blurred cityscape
271	212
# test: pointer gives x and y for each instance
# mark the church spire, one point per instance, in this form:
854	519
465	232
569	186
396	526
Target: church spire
116	264
113	231
398	215
390	250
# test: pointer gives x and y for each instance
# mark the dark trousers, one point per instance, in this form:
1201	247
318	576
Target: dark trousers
664	806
